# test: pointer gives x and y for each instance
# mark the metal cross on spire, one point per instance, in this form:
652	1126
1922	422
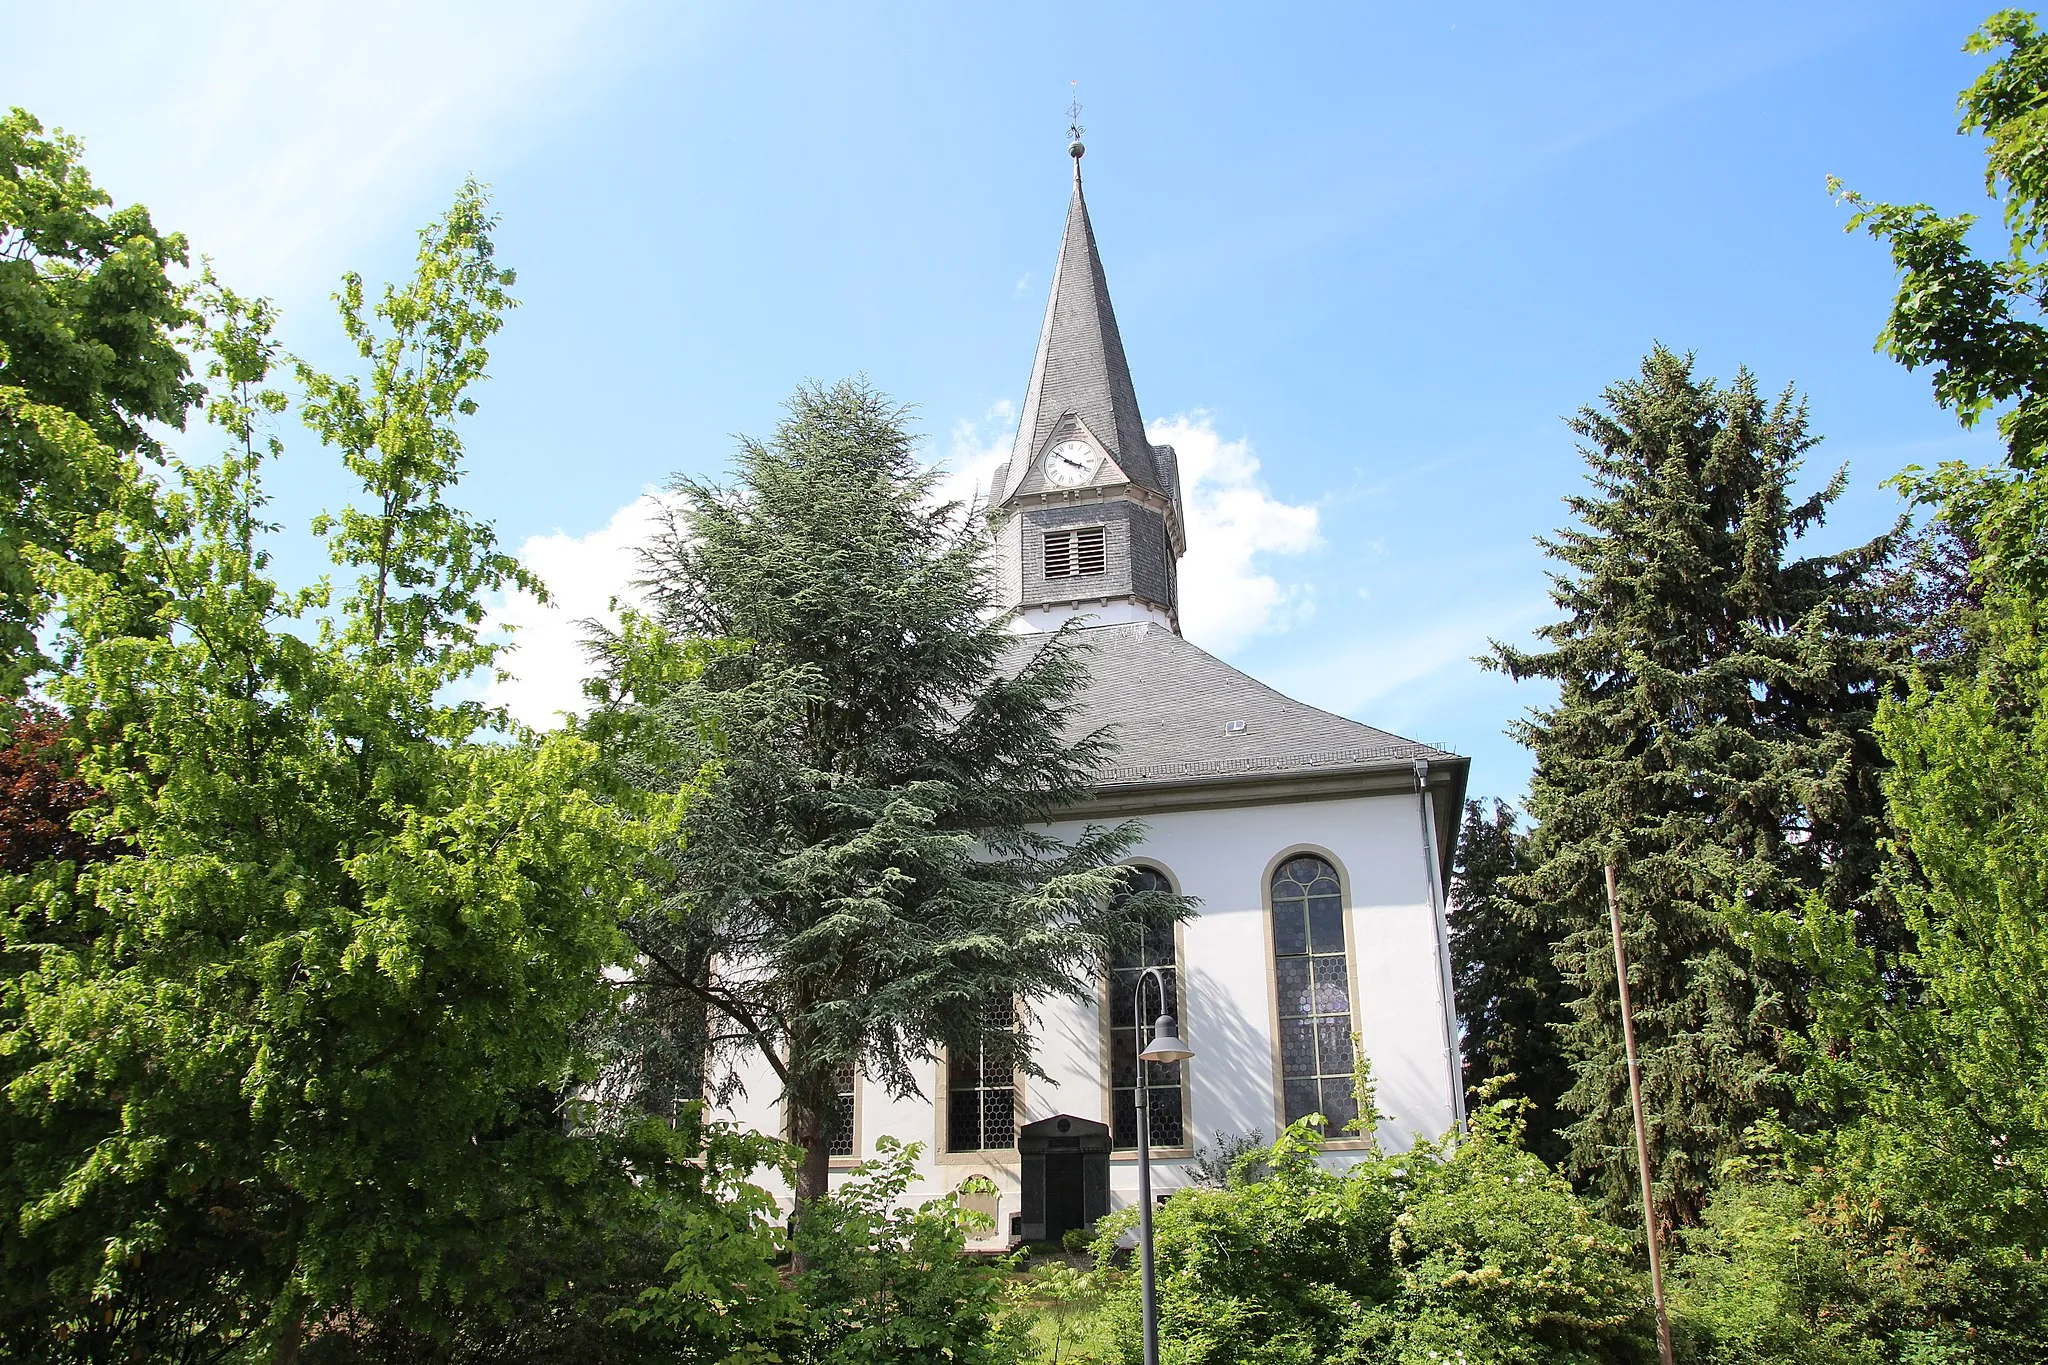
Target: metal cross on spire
1074	147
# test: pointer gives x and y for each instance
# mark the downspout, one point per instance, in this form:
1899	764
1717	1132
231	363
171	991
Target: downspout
1446	996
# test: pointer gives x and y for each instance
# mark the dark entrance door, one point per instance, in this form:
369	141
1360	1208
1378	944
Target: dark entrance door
1063	1207
1065	1162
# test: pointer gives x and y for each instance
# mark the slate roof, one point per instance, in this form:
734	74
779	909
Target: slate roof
1171	703
1080	368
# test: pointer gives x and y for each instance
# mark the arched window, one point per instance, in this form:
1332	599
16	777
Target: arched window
1164	1080
1314	991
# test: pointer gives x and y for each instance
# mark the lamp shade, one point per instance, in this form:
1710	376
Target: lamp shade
1166	1045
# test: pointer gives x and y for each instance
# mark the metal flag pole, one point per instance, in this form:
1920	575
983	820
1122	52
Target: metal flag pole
1635	1096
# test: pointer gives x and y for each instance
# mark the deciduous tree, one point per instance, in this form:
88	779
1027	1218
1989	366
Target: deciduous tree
1936	1071
91	355
307	1045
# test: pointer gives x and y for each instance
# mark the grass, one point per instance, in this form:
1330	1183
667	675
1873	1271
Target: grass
1061	1313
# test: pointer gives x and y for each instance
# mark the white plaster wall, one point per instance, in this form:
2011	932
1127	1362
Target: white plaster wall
1223	858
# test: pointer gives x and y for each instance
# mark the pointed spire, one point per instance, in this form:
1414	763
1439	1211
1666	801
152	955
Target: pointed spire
1080	368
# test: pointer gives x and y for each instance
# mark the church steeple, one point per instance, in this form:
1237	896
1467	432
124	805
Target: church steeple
1080	368
1082	456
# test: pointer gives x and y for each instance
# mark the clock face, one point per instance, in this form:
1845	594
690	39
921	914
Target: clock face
1071	464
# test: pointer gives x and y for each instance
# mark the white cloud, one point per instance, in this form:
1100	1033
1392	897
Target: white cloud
1226	594
583	575
280	136
978	448
1226	597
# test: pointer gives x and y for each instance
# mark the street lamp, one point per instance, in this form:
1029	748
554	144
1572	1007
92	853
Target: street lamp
1165	1047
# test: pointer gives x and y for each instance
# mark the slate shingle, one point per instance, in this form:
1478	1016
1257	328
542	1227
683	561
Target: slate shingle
1172	705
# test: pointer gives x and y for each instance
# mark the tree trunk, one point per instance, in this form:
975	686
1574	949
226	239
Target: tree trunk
814	1172
289	1337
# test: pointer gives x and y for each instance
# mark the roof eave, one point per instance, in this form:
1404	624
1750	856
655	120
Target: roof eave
1446	782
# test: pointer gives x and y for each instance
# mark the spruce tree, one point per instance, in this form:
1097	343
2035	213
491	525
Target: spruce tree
1511	999
1712	736
862	877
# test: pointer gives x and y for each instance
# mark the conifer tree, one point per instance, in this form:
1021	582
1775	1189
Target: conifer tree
862	879
1511	999
1712	736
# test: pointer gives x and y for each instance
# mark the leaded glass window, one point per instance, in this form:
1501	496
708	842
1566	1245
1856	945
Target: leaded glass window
981	1088
1315	992
1165	1081
839	1135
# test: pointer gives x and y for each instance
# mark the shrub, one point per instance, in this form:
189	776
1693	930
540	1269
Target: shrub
884	1282
1470	1250
1217	1166
1784	1271
1048	1315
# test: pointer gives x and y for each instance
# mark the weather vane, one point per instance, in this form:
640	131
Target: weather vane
1074	147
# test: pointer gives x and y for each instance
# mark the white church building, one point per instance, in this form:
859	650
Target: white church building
1317	847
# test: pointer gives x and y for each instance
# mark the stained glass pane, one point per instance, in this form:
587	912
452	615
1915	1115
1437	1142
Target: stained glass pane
1326	924
1291	976
1339	1105
1166	1117
963	1120
1333	986
1302	1098
1297	1047
1123	1057
1333	1047
839	1122
1123	1126
999	1118
1290	928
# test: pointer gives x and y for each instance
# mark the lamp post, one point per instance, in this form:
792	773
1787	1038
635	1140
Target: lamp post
1165	1047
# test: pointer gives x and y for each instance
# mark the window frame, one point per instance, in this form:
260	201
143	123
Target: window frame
1336	1142
943	1152
837	1161
1107	1037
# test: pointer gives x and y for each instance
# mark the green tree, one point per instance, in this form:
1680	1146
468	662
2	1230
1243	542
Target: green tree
1712	734
868	861
1937	1071
91	327
306	1047
1511	998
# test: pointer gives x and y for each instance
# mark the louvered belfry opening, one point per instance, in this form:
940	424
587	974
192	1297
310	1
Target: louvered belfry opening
1075	553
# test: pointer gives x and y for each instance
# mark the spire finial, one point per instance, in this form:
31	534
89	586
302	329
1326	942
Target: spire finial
1074	147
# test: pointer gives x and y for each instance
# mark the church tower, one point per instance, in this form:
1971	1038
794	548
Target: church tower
1088	512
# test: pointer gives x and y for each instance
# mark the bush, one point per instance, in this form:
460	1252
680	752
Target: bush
1783	1271
1054	1316
886	1283
1469	1251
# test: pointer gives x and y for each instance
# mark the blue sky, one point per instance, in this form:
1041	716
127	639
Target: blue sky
1365	257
